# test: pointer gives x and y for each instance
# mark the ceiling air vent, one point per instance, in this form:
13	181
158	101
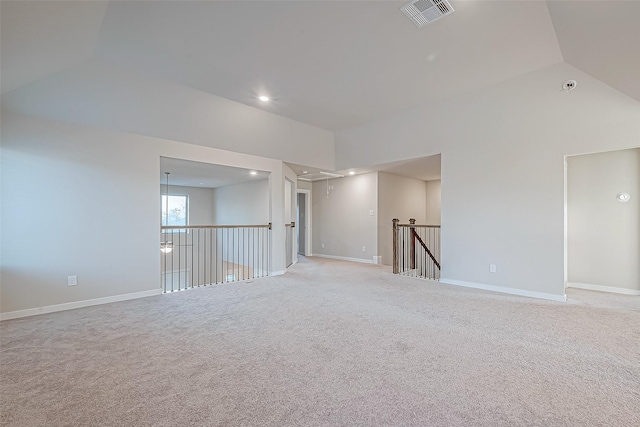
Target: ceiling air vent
423	12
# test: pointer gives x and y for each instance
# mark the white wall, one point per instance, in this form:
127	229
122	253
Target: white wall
503	151
603	233
433	202
288	206
242	204
402	198
71	196
304	185
342	221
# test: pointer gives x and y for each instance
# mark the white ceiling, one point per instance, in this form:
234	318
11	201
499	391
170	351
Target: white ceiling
602	38
187	173
332	64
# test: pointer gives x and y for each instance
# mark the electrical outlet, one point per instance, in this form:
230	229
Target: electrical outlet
72	280
371	212
364	249
492	268
322	245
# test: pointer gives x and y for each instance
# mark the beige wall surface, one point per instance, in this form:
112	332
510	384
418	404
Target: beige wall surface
402	198
433	202
603	233
242	204
503	150
342	221
304	185
83	192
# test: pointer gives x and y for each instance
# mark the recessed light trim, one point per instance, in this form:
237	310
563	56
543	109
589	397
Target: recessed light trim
264	98
253	173
623	197
352	173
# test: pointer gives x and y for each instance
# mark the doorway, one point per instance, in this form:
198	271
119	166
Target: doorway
602	221
303	221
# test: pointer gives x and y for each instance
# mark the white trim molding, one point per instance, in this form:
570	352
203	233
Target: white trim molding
77	304
505	290
344	258
601	288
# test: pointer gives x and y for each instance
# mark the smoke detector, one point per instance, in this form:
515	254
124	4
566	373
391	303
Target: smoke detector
423	12
569	85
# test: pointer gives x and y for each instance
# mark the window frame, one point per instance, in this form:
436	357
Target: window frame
186	214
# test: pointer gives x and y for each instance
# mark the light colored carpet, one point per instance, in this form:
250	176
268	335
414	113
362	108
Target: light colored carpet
330	343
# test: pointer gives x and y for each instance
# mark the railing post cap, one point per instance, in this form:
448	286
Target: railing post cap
395	220
412	220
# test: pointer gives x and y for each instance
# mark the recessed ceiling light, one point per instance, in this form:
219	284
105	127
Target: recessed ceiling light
263	98
623	197
304	172
202	183
352	173
253	173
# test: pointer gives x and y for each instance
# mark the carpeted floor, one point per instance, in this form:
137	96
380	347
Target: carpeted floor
330	343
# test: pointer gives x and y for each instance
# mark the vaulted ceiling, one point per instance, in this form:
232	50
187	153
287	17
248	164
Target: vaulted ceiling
330	64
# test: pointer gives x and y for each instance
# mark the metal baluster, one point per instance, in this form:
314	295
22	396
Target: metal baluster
164	279
197	260
212	255
172	255
253	252
243	249
216	257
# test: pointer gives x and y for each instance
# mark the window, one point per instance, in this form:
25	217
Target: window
178	206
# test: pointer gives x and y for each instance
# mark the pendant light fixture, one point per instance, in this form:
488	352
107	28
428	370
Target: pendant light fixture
166	246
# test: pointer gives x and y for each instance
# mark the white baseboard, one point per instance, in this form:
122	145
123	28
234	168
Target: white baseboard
77	304
601	288
504	290
344	258
277	273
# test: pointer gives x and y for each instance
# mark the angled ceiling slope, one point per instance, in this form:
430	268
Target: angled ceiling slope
42	37
601	38
333	65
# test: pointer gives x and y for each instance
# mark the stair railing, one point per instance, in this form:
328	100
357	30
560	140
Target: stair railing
416	249
193	256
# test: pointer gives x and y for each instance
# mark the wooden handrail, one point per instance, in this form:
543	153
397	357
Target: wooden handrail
415	235
181	227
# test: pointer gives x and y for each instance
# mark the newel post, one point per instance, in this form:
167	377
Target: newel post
412	245
396	267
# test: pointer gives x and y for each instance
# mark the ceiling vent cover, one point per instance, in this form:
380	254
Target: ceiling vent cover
423	12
